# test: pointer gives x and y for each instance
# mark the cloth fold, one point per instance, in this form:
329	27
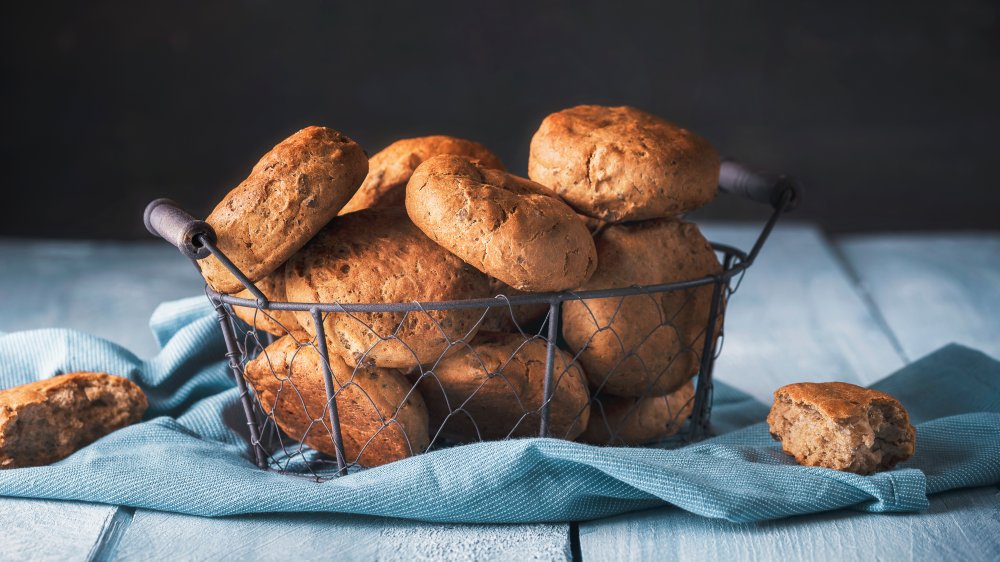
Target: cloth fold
189	456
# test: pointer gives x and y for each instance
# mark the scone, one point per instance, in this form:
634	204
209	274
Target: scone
634	421
275	322
495	388
391	168
507	227
622	164
381	418
48	420
644	345
841	426
293	191
379	256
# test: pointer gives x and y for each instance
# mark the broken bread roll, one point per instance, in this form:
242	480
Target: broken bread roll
48	420
841	426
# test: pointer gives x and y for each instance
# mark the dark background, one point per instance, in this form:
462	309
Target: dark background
887	111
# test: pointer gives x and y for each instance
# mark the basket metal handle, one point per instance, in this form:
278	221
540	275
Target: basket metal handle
165	219
763	187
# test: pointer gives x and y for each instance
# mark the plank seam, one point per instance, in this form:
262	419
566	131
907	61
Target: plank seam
576	553
115	525
859	285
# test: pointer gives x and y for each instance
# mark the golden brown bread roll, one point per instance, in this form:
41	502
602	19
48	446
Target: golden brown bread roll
293	191
390	168
507	227
644	345
634	421
382	419
48	420
275	322
622	164
495	388
841	426
379	256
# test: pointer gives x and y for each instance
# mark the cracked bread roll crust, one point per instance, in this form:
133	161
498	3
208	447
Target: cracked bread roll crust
644	345
495	389
293	191
841	426
622	164
379	256
615	420
275	322
391	168
382	419
48	420
507	227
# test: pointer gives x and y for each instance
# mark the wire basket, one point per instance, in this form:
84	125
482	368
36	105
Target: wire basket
312	411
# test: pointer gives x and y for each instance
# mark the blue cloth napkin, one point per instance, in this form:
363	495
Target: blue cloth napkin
189	456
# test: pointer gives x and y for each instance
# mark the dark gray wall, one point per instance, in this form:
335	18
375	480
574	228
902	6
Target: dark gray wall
887	111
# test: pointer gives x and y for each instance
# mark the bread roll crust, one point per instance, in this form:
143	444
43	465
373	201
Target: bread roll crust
293	191
622	164
498	384
841	426
48	420
382	419
615	420
390	168
507	227
379	256
644	345
275	322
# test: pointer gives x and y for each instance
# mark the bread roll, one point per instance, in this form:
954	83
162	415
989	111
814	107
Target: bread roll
635	421
621	164
275	322
293	191
382	419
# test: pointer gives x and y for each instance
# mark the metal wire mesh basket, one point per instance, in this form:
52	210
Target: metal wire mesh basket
316	412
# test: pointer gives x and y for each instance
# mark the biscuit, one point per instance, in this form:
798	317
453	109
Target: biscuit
621	164
379	256
275	322
494	389
634	421
382	419
48	420
390	169
644	345
507	227
293	191
841	426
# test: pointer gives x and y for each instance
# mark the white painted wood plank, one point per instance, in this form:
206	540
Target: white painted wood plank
961	525
797	317
932	289
40	530
160	536
108	289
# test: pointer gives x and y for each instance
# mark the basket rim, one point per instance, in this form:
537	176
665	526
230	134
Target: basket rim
736	259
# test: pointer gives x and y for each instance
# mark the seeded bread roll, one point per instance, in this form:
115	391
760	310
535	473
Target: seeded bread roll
507	227
275	322
496	390
621	164
379	256
390	169
644	345
293	191
382	419
634	421
48	420
841	426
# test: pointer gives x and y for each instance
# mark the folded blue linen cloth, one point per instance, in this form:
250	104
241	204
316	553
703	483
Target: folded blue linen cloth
189	456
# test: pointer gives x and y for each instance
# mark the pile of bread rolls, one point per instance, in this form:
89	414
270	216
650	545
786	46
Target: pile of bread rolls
438	218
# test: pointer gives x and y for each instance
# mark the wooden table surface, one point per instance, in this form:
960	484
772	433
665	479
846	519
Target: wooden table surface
853	309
